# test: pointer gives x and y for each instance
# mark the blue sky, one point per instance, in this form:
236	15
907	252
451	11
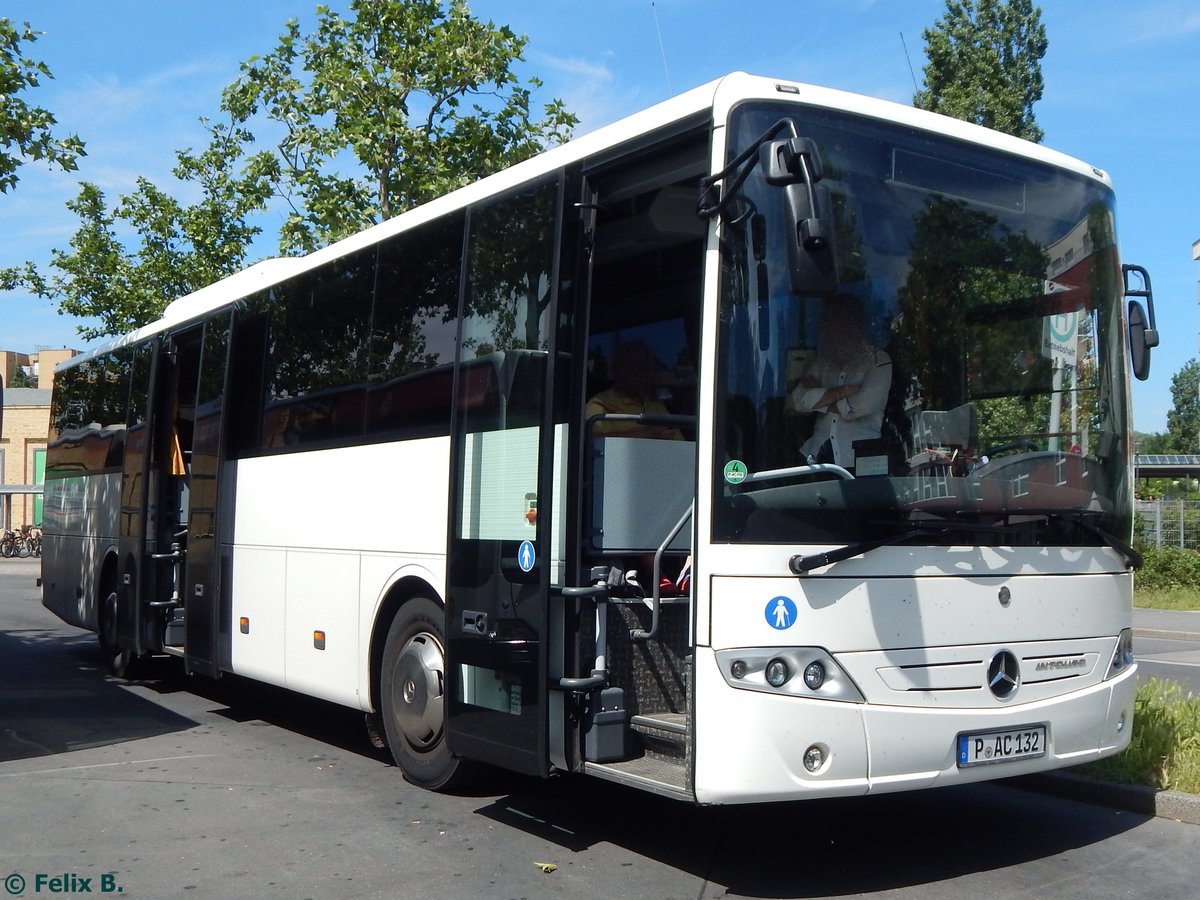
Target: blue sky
133	76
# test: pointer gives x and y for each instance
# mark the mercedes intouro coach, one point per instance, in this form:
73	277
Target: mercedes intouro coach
771	443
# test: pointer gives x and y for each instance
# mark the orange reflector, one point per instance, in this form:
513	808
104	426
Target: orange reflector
244	625
319	640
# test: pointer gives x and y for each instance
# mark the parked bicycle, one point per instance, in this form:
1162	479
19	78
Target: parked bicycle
22	544
33	535
10	544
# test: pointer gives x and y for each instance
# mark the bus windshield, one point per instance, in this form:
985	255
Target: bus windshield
953	366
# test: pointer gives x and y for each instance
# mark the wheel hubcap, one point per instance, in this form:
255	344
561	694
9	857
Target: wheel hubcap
420	687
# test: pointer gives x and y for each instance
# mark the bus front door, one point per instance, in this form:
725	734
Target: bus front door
497	705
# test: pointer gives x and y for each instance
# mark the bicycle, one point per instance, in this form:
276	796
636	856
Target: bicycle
14	544
22	544
33	536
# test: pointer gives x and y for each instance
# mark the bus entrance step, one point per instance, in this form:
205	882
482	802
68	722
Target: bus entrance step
663	735
673	723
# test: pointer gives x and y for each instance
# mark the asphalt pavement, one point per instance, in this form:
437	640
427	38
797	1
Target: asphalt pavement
1147	623
1168	624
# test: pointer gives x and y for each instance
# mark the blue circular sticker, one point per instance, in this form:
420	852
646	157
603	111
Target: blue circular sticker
780	613
526	556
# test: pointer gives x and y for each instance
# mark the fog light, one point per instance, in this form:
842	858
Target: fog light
814	758
814	675
777	673
1121	723
738	668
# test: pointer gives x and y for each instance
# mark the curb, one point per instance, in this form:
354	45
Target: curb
1135	798
1161	634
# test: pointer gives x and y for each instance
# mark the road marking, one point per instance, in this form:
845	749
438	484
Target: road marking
128	762
1168	662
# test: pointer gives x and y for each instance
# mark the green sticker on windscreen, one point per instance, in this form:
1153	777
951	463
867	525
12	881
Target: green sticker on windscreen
735	471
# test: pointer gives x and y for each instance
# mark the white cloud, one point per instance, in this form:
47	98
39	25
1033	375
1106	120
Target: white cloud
1162	23
576	66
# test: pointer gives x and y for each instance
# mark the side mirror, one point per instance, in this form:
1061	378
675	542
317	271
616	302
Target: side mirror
1139	344
795	165
1142	333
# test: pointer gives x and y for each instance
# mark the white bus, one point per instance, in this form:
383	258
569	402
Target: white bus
376	474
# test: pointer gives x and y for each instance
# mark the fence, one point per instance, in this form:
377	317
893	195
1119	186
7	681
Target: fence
1167	523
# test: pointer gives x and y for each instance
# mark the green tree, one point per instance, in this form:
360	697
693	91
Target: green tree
1183	421
26	132
179	248
985	64
395	104
1158	442
391	106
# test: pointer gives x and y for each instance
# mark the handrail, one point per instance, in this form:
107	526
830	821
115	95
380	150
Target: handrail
638	634
807	469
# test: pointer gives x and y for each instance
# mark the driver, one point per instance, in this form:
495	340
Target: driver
846	387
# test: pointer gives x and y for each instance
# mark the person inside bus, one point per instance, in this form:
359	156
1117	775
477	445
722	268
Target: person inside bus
634	370
634	376
846	387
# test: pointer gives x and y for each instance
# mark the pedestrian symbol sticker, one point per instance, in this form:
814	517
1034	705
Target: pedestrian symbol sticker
526	556
781	613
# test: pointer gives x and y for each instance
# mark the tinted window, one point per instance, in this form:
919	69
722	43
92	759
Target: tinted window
87	420
245	401
413	331
316	355
505	329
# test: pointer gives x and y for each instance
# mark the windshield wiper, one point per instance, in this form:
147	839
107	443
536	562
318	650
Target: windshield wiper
801	564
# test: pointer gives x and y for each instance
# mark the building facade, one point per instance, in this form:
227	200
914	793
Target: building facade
23	442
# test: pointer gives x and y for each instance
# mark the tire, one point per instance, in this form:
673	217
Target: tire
7	549
23	549
412	685
117	661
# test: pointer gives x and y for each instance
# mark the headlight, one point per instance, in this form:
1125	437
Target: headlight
814	675
1123	656
777	673
771	669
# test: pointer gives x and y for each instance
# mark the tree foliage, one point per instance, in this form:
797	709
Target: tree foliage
26	131
985	64
179	248
371	114
396	104
1183	421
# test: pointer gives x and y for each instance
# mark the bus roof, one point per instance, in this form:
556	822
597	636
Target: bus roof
717	97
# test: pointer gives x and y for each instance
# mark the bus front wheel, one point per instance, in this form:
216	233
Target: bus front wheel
412	696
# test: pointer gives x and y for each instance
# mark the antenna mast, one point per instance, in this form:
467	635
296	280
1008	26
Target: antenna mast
916	90
661	49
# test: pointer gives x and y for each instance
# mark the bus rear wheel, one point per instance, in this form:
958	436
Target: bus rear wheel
116	659
412	696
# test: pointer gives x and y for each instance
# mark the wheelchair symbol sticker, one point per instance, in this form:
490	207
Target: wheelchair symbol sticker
780	613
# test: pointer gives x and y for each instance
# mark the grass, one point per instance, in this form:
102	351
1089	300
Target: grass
1177	598
1164	751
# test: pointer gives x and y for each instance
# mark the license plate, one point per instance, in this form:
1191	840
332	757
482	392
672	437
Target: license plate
983	747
